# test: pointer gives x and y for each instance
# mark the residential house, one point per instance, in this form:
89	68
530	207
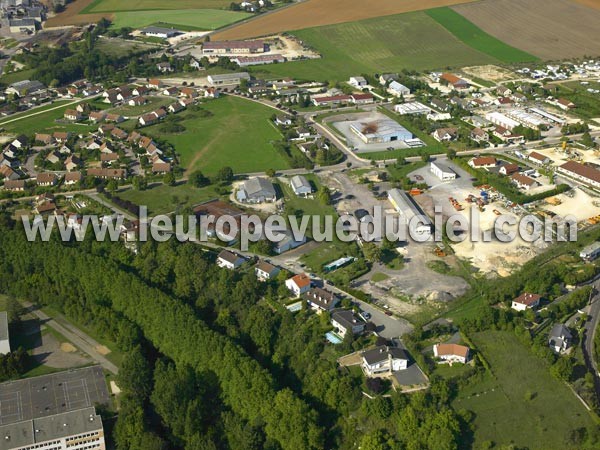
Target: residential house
72	163
53	157
188	92
46	179
526	301
97	116
140	91
109	158
14	185
164	67
503	91
171	91
283	120
155	83
115	174
45	139
331	100
266	271
445	134
560	338
523	181
229	260
483	162
137	101
107	147
565	104
20	142
8	174
147	119
119	133
298	284
386	78
176	107
479	135
384	359
73	178
256	190
454	81
61	136
161	167
345	321
301	186
358	82
321	300
451	353
440	104
211	92
508	169
114	118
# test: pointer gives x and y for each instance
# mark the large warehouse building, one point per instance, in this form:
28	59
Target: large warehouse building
379	131
407	209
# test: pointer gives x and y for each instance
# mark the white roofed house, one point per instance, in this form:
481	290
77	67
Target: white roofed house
384	360
4	335
321	300
266	271
229	260
301	186
345	321
256	190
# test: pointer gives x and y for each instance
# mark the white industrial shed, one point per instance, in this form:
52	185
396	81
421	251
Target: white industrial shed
442	171
300	185
407	209
378	131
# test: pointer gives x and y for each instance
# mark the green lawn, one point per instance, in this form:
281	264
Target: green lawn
164	199
239	135
99	6
183	19
391	43
306	206
46	121
19	75
476	38
153	104
504	415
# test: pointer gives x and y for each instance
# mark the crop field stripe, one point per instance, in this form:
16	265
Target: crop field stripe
185	19
473	36
112	6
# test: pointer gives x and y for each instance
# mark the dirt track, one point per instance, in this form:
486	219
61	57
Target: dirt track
312	13
549	29
71	15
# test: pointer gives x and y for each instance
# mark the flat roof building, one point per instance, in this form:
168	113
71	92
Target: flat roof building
407	209
590	252
4	335
412	108
442	171
160	32
228	79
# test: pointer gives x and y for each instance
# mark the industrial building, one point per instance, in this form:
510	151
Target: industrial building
28	26
54	412
159	32
442	171
378	131
407	209
502	120
228	79
412	108
591	252
225	47
526	119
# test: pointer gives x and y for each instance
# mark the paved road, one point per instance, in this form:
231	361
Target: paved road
74	335
591	327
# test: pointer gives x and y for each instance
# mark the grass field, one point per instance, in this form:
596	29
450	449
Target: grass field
184	19
100	6
164	199
503	412
476	38
239	135
412	41
46	121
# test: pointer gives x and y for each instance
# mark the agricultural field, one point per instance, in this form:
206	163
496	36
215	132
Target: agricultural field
548	29
476	38
238	134
412	41
588	103
100	6
516	404
184	19
313	13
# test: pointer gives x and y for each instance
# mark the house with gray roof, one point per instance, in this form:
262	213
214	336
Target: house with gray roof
384	360
560	338
301	186
345	321
256	190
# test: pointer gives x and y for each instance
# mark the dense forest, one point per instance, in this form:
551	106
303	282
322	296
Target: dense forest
248	375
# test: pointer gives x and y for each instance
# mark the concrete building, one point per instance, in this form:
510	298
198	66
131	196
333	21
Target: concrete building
4	335
228	79
442	171
412	108
502	120
590	252
380	131
403	204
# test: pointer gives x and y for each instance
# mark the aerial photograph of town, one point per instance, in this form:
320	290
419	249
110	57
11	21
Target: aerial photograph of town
299	224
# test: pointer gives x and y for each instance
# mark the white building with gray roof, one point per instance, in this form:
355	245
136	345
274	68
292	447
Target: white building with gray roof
301	186
4	335
256	190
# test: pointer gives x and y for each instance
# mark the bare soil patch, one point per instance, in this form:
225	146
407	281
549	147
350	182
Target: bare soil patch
102	349
314	13
490	73
67	347
549	29
71	15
